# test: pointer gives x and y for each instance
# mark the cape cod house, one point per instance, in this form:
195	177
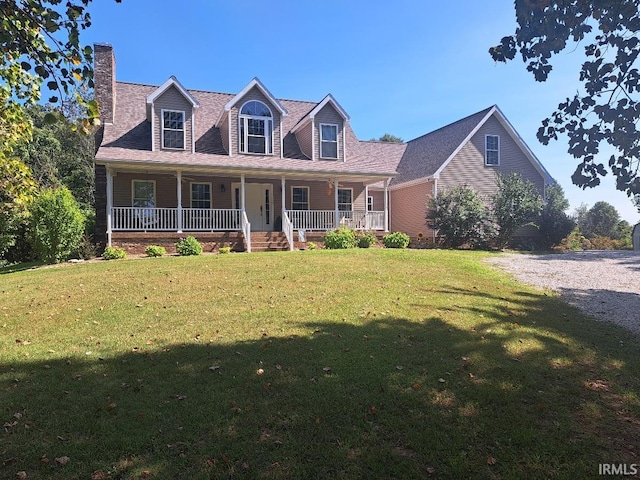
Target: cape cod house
252	171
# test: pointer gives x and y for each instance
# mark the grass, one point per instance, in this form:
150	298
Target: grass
328	364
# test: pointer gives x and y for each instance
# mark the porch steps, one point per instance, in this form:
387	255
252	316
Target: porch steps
269	242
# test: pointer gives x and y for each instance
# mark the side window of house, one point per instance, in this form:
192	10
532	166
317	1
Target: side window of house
300	198
255	129
200	195
144	193
328	140
173	129
369	203
492	150
345	199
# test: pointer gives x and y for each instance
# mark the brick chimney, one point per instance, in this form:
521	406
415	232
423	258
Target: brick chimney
104	79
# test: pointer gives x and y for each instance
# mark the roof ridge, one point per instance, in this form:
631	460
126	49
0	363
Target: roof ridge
484	111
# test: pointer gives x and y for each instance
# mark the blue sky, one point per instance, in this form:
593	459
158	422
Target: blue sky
406	67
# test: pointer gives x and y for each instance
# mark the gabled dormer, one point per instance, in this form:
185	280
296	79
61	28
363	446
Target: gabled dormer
171	111
251	122
321	133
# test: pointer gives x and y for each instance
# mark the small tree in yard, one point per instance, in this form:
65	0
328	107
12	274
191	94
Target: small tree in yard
554	223
57	225
515	204
460	218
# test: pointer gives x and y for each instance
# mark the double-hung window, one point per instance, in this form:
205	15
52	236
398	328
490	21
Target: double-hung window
369	203
256	128
173	131
345	199
144	193
300	198
200	195
492	150
328	140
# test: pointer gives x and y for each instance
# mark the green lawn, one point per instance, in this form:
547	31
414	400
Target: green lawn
323	364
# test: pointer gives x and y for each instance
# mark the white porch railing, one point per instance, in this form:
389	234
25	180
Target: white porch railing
287	228
322	220
246	230
210	220
166	219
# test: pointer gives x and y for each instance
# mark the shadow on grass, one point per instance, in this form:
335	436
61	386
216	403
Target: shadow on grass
19	267
517	396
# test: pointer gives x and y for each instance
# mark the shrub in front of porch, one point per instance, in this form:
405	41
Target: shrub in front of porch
340	238
189	246
366	239
114	253
396	240
155	251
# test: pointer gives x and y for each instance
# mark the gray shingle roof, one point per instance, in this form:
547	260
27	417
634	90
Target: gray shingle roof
128	139
426	154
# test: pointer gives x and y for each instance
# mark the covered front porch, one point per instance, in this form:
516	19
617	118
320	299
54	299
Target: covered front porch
192	202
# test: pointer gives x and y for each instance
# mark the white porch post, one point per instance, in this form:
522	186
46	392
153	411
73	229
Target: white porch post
109	205
335	197
366	207
242	192
179	193
284	203
386	205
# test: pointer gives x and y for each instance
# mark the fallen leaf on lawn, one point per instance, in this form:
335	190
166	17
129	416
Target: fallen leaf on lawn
44	459
399	367
431	470
245	465
491	460
225	459
326	369
21	475
465	359
112	405
260	371
146	473
442	380
62	460
416	386
98	475
214	368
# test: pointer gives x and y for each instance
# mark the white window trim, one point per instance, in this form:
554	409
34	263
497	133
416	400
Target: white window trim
352	199
308	196
184	129
487	150
242	118
133	191
369	203
336	126
210	193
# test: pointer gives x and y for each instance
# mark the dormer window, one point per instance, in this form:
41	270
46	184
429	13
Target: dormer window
256	128
328	140
173	134
492	150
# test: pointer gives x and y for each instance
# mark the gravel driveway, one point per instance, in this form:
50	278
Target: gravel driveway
603	284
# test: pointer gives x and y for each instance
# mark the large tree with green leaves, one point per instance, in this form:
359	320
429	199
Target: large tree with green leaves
554	224
604	113
40	44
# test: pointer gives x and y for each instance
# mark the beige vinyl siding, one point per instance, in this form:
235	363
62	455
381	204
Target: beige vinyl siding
172	99
468	166
318	198
378	200
254	94
224	133
328	114
408	209
166	193
304	140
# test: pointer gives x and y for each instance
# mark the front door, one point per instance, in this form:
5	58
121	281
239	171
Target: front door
258	205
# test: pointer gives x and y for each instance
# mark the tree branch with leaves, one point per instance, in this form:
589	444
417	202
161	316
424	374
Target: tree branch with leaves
605	114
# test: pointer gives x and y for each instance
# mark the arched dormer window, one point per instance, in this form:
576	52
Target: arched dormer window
256	128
